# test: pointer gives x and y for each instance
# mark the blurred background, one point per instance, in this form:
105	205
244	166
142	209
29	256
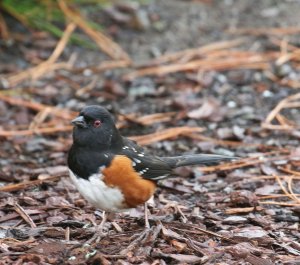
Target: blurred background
180	77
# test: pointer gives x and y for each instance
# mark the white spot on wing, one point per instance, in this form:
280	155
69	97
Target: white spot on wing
143	171
137	160
160	177
141	154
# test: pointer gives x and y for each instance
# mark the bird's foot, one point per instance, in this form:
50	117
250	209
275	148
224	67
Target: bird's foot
144	240
100	229
98	235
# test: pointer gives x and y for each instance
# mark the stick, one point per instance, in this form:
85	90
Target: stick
106	44
47	66
50	130
24	215
26	184
62	113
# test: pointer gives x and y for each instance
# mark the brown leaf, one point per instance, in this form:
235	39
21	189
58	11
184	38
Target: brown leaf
268	170
244	250
267	189
49	248
178	257
178	245
57	201
243	198
235	220
169	233
295	154
210	110
255	233
114	88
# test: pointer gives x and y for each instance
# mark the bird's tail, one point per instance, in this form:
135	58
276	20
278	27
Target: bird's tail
196	159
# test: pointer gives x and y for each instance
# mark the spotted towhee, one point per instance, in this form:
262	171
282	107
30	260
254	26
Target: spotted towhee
112	172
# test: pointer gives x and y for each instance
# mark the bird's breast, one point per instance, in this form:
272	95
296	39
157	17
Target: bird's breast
96	192
115	188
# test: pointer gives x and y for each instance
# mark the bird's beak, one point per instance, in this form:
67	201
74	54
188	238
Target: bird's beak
79	121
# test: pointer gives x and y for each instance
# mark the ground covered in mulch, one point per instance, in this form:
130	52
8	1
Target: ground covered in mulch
228	85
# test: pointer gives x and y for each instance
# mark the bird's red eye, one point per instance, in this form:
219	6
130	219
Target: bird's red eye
97	123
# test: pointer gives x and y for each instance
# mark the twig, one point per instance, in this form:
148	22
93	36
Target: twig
26	184
231	165
11	253
13	215
280	203
288	102
283	188
17	15
143	237
272	177
287	170
51	130
273	196
201	231
290	184
4	33
47	66
149	119
239	164
221	45
62	43
67	233
267	31
106	44
184	219
114	256
62	113
39	118
252	62
24	215
242	210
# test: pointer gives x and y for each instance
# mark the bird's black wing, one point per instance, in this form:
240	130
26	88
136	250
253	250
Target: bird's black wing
133	145
148	166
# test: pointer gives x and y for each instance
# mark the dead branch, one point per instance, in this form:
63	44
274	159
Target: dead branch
266	31
189	53
106	44
292	101
26	184
252	62
28	132
48	66
62	113
148	119
25	216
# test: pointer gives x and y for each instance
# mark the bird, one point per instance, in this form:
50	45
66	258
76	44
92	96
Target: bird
114	173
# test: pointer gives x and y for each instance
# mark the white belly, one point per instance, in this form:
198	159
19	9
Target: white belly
98	194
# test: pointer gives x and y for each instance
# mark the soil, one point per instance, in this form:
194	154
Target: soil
242	212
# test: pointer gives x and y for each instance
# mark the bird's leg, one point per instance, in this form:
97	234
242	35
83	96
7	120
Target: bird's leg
143	236
103	221
147	225
99	230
